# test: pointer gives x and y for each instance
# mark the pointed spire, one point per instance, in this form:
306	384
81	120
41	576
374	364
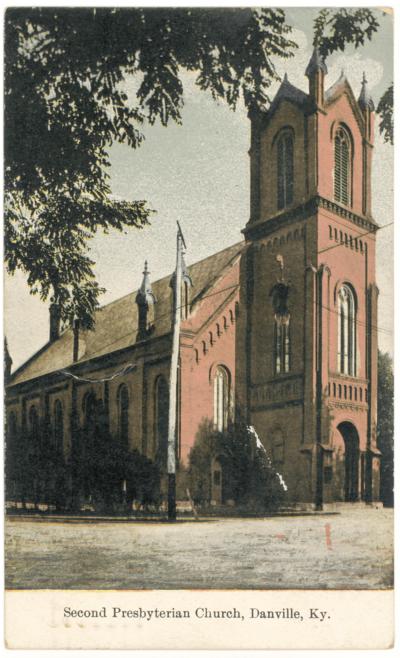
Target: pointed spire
285	77
316	63
145	301
365	100
145	294
316	71
7	361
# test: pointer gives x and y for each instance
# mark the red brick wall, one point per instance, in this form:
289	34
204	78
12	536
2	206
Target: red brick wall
197	372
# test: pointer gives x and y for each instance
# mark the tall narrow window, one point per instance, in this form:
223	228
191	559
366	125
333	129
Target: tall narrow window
185	301
161	424
280	294
342	175
12	427
285	170
346	331
221	399
123	415
90	409
282	346
58	427
34	430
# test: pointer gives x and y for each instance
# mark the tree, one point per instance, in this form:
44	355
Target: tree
334	29
385	109
66	102
385	426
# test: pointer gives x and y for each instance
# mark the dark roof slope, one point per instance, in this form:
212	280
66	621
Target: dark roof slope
117	322
290	93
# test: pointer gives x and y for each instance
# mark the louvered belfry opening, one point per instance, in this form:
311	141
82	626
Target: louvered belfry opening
285	170
342	167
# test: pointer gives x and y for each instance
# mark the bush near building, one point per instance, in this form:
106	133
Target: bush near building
249	478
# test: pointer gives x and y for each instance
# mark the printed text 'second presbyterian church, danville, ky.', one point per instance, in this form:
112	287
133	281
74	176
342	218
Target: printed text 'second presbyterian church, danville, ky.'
282	326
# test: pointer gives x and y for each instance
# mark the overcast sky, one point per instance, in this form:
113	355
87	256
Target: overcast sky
199	173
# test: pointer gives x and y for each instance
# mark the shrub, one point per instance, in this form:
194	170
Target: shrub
248	475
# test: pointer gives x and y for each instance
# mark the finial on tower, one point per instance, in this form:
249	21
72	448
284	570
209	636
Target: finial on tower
7	361
315	72
145	294
316	63
145	301
365	100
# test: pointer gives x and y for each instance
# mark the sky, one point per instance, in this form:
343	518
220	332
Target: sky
198	173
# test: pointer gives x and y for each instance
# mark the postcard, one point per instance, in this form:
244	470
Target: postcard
198	327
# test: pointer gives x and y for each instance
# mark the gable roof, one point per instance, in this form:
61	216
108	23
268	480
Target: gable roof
117	322
290	93
340	87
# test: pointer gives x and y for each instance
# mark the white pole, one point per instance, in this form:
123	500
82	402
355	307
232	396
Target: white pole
171	456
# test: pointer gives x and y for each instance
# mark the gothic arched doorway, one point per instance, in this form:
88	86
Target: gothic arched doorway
351	460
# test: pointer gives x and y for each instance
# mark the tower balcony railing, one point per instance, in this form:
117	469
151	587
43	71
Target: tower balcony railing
345	388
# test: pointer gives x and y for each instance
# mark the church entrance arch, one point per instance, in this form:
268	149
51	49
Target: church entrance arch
351	461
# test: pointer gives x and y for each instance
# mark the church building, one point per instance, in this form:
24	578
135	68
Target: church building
280	328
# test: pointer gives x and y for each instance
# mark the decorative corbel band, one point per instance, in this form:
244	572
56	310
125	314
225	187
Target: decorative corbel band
264	227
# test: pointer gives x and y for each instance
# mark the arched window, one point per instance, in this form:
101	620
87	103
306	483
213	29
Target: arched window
161	420
346	331
221	398
285	169
123	415
90	427
58	426
342	175
34	428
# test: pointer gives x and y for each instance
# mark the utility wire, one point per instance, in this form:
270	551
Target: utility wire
359	322
124	371
218	292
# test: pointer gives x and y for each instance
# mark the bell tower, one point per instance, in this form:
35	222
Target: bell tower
307	346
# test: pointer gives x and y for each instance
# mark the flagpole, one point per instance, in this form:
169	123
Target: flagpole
171	456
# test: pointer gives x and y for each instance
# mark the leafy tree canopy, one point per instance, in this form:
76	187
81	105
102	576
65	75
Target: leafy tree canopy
385	110
385	425
66	103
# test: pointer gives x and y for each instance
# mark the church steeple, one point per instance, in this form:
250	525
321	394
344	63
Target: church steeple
315	72
145	300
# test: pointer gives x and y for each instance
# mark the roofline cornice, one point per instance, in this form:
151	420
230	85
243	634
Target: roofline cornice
264	227
92	364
